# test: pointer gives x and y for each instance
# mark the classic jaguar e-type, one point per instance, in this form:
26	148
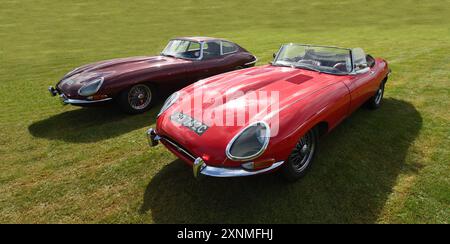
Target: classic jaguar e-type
136	82
276	113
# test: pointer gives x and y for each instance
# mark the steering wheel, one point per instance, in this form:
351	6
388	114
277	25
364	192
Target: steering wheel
340	66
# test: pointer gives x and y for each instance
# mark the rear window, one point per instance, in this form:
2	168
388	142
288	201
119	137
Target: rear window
228	47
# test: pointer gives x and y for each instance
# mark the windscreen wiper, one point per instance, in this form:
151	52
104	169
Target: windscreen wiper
168	55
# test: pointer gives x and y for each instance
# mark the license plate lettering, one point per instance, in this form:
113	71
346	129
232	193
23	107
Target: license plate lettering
187	121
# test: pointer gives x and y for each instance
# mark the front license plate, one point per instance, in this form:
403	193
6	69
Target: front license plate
187	121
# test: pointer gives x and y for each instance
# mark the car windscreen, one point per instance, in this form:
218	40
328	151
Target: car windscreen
322	59
182	49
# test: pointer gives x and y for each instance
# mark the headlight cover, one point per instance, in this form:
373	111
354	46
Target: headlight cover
91	88
250	143
169	102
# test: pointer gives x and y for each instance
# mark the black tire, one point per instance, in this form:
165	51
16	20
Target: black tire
375	101
302	156
137	99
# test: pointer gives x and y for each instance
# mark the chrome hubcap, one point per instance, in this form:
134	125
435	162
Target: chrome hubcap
303	152
305	149
139	97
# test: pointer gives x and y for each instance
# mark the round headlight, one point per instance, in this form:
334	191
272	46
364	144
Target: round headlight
91	88
250	143
169	102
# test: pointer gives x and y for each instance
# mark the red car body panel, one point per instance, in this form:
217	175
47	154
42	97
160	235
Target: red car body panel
306	98
164	73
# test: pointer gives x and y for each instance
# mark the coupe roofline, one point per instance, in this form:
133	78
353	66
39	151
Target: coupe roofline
199	38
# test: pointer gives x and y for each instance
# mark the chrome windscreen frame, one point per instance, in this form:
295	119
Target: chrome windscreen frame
201	49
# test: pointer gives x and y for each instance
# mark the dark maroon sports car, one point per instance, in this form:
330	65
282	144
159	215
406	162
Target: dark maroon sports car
135	83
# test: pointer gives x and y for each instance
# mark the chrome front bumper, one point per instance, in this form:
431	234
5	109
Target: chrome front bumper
200	167
53	91
65	100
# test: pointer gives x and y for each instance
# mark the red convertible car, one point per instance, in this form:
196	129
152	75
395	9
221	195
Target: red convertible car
313	89
136	82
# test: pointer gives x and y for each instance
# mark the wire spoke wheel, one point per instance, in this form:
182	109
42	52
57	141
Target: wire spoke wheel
139	97
303	152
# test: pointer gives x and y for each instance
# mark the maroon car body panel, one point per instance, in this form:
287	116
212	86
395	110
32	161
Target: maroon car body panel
161	72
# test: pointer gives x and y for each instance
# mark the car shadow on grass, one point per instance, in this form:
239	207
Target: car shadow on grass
350	181
91	124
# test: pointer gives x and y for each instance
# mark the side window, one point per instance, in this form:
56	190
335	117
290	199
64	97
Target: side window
193	50
211	50
359	59
228	47
194	46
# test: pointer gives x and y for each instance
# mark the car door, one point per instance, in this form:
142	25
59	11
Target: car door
175	72
360	84
209	64
215	60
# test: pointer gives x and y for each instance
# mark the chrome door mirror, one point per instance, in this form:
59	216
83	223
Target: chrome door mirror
362	71
360	68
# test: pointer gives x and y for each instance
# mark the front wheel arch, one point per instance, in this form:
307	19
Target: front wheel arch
322	128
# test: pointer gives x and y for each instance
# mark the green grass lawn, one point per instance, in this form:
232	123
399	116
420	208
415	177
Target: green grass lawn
65	164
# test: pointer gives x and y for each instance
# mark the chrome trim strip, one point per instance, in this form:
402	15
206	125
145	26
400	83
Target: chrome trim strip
235	172
221	48
261	151
154	138
252	62
312	45
78	101
178	148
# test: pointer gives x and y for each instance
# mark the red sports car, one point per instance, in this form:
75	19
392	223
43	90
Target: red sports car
136	82
256	120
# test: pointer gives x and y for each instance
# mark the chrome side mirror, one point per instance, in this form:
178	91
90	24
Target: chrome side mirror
362	71
360	68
